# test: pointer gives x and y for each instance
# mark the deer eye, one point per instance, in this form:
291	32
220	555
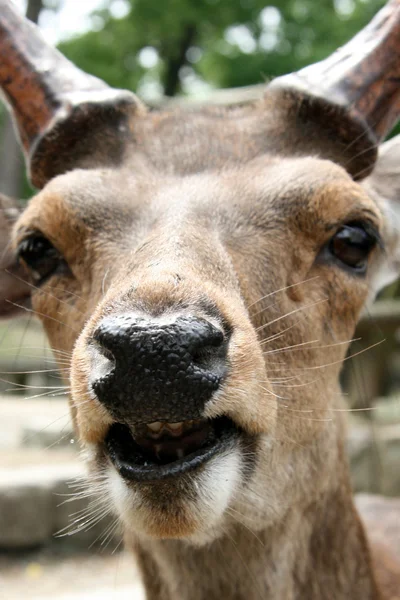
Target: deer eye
41	258
352	244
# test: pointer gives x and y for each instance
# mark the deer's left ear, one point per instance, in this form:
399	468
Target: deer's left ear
383	185
14	292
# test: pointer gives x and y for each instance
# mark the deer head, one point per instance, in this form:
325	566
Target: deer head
205	270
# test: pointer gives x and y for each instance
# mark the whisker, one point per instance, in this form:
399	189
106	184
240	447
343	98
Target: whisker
117	546
43	291
364	151
296	385
54	351
287	287
33	387
272	393
112	529
292	312
33	372
336	362
49	393
253	579
60	439
29	437
64	291
35	312
22	340
292	347
234	512
280	334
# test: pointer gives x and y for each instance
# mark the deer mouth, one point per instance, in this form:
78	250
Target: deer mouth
156	451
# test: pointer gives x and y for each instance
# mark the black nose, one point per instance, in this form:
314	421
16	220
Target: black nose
157	371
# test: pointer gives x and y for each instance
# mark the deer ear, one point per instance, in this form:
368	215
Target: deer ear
14	292
65	118
349	102
383	185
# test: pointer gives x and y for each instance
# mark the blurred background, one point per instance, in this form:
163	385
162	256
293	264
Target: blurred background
166	51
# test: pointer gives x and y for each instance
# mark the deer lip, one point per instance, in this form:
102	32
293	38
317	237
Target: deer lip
139	455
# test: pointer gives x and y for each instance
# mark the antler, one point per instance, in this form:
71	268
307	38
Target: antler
362	77
63	115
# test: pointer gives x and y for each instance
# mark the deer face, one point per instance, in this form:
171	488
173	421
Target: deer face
200	323
207	287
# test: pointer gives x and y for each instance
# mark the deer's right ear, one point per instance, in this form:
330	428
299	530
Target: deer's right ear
384	186
14	292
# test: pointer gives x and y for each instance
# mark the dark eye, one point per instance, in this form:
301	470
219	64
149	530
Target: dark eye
41	258
352	245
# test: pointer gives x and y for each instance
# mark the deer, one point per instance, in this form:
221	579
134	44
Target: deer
203	268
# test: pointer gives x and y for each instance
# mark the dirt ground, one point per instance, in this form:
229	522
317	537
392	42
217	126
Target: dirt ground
57	574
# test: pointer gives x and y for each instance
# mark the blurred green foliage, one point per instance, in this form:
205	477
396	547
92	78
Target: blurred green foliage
174	46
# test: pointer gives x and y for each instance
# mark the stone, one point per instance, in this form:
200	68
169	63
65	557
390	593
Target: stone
26	503
24	515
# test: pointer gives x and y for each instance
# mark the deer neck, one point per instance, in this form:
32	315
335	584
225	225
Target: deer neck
318	550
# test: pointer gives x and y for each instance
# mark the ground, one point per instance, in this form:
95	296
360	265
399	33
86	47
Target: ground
59	574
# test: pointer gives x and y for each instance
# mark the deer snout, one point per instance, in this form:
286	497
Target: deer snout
150	370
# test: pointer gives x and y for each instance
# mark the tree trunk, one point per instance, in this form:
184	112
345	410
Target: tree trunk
175	63
33	10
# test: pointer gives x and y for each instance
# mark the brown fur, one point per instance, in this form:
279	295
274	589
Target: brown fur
229	238
227	210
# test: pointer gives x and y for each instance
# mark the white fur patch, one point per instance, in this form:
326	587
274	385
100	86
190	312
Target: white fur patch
215	485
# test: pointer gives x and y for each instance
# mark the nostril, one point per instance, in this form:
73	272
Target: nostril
210	347
106	352
105	338
103	344
216	337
